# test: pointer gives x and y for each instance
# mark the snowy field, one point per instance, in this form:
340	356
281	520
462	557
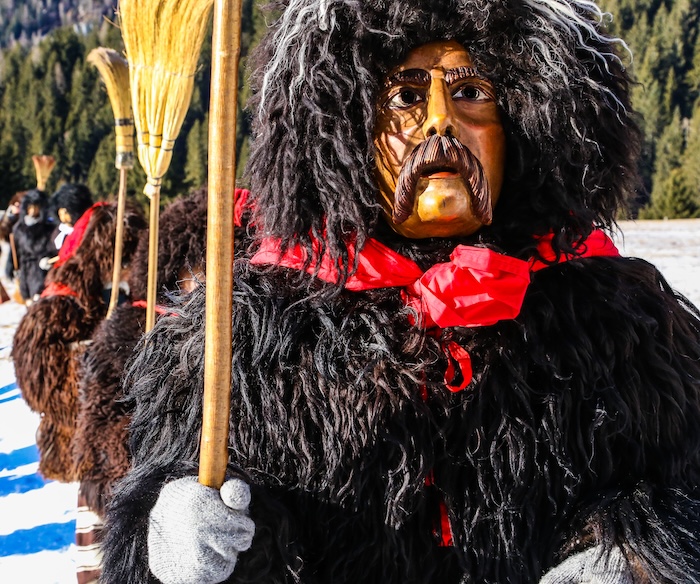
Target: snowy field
37	517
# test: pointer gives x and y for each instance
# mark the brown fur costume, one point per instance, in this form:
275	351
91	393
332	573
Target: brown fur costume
50	336
101	445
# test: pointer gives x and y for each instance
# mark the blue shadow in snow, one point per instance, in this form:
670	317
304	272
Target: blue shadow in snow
42	538
9	399
19	457
18	485
8	388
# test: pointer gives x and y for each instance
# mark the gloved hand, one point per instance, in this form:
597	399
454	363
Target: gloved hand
195	533
44	264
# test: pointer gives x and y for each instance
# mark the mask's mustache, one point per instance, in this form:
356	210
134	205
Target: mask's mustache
442	153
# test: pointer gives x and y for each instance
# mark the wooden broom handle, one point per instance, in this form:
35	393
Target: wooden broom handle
152	280
13	249
226	48
118	243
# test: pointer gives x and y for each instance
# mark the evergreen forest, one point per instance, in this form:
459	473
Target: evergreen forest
53	102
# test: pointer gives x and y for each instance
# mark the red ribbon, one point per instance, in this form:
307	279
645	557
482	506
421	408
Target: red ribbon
156	308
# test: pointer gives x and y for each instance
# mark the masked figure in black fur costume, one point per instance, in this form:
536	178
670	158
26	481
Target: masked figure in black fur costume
32	242
50	336
68	203
442	369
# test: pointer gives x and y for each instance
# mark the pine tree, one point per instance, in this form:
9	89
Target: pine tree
675	200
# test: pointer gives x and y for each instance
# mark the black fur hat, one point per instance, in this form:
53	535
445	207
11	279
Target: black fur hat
561	84
37	198
74	198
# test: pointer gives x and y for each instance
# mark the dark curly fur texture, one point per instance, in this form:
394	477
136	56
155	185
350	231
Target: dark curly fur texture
100	444
580	427
101	441
182	236
551	449
50	337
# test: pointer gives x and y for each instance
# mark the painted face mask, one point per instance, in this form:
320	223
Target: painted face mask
440	144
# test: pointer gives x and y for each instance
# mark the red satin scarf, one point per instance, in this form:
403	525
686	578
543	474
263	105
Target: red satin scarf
477	287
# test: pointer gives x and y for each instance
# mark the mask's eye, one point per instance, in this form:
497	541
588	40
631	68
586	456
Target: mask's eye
472	92
404	99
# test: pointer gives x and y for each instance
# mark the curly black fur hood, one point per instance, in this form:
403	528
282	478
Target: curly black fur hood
560	81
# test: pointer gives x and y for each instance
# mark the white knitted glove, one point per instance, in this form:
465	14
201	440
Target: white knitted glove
592	566
195	533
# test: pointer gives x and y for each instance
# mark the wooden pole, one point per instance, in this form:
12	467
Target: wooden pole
118	243
114	70
13	249
226	48
152	280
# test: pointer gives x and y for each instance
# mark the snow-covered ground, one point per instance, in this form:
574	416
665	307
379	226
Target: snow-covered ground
37	517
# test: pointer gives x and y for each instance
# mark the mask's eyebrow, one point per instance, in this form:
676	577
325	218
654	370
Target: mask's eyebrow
459	73
422	77
413	76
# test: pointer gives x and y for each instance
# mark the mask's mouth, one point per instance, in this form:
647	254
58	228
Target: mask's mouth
438	173
442	157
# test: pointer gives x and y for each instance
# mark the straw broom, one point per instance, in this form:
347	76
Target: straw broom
163	39
226	48
43	165
114	71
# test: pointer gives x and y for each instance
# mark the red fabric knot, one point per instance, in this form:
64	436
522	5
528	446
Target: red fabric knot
477	287
72	241
58	289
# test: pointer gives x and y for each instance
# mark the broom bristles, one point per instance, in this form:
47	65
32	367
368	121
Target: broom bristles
43	165
163	39
114	71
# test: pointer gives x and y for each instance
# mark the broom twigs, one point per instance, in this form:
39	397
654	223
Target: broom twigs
219	261
43	165
162	39
114	70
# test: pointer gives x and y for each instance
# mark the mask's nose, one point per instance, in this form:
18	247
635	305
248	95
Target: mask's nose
440	109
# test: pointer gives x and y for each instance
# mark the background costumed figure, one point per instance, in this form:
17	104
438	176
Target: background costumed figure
32	242
101	444
68	203
51	338
443	371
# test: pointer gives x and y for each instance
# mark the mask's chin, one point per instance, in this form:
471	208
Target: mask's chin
442	208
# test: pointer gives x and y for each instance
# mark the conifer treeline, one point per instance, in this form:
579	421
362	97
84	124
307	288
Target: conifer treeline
52	102
663	38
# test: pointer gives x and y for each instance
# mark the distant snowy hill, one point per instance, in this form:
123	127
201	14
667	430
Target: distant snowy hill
26	22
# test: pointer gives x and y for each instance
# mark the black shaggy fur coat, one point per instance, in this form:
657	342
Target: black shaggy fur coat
32	243
580	427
